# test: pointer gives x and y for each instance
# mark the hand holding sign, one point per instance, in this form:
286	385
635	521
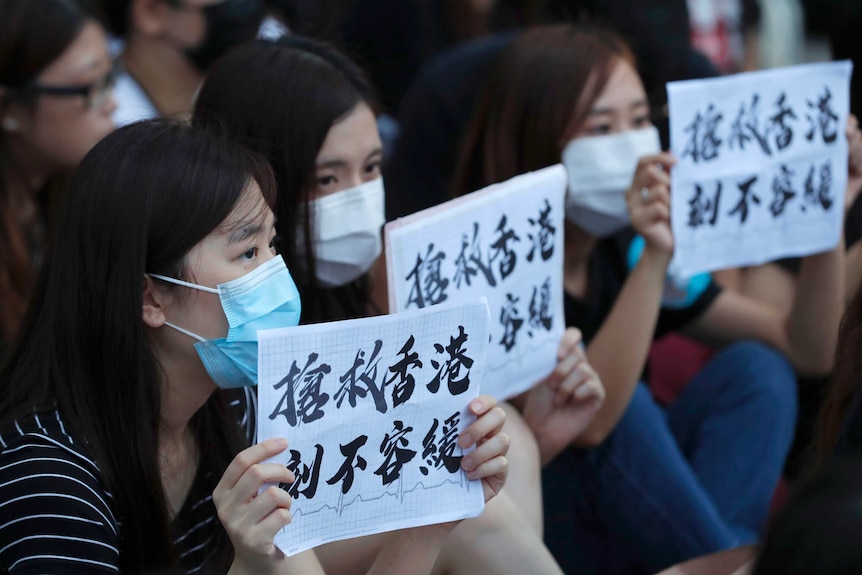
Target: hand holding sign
648	200
762	165
488	461
252	519
373	409
564	404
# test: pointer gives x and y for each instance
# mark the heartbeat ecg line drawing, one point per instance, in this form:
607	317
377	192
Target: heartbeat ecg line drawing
399	495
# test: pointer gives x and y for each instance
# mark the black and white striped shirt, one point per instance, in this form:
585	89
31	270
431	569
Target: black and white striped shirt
56	515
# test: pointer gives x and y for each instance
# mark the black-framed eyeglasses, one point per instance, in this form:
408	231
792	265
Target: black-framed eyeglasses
95	94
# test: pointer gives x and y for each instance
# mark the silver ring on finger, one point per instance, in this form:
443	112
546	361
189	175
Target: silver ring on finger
644	194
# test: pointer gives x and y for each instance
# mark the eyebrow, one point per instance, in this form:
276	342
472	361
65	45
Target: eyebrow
337	163
331	164
242	233
375	152
600	111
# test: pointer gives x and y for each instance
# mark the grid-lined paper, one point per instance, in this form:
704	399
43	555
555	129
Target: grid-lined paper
515	231
413	498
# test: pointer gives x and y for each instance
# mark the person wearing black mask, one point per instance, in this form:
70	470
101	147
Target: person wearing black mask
168	45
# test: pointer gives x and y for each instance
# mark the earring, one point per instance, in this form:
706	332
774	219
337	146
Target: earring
10	124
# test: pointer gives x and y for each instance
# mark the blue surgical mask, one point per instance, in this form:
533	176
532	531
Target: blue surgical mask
264	298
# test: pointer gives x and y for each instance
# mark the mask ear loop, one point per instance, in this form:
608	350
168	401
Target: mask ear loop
183	283
186	332
189	285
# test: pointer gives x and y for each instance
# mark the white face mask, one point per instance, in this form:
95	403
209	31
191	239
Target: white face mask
601	169
346	227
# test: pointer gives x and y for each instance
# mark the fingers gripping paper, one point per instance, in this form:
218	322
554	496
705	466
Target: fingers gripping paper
504	242
762	165
372	409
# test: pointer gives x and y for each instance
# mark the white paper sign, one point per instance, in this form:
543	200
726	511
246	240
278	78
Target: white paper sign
762	165
504	242
372	409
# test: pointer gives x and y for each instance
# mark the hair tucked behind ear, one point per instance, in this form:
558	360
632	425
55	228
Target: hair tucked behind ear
140	200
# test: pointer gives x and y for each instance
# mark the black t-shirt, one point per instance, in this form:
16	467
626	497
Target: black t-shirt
608	272
320	304
57	516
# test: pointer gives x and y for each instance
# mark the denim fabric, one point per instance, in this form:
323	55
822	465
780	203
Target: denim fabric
671	484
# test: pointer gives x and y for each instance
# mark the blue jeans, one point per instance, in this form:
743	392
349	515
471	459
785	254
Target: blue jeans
671	484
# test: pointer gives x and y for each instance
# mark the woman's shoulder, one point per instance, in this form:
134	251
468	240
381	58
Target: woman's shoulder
40	434
55	510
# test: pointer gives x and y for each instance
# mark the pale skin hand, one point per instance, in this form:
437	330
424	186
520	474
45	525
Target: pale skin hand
854	163
416	550
651	216
635	313
488	461
561	406
253	520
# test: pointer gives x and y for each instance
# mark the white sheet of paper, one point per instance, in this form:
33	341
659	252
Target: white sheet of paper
400	410
514	230
761	165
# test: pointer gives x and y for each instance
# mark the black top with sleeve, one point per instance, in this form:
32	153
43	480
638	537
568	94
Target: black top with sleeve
608	270
56	516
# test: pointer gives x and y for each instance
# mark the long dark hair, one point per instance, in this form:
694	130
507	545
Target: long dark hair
280	99
140	200
844	384
32	36
541	88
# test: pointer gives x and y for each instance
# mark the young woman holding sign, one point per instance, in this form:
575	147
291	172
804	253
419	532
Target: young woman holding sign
656	486
311	112
122	447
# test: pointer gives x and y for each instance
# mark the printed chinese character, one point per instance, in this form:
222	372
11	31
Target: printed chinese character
540	307
822	118
463	268
778	125
304	475
403	389
429	287
782	188
543	238
818	195
704	141
511	321
451	368
747	125
745	191
311	400
702	207
345	472
500	247
442	454
393	447
358	386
